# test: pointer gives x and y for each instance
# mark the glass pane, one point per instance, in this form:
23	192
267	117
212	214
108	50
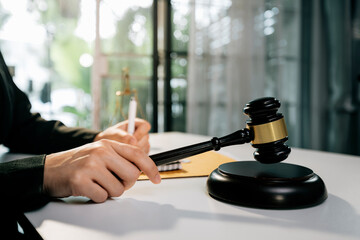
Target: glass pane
181	11
282	40
126	42
114	108
126	26
237	51
180	25
50	52
179	67
178	104
138	66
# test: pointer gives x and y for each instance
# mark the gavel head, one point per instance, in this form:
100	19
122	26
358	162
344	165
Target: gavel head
268	130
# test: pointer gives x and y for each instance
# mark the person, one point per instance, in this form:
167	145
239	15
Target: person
67	161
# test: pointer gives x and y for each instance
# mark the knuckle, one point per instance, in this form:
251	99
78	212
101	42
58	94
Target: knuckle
147	126
131	180
77	179
100	197
131	177
99	151
129	184
143	122
134	176
103	141
91	163
118	191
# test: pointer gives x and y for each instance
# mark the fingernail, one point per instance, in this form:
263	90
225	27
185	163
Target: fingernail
157	178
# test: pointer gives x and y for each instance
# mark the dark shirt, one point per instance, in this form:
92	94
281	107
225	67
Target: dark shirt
21	181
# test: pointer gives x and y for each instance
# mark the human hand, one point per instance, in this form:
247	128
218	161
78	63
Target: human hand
119	133
98	170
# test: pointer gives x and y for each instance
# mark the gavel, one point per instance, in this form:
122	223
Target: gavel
257	184
266	130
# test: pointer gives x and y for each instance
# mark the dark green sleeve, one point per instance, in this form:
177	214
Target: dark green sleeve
26	132
30	133
39	136
21	181
21	184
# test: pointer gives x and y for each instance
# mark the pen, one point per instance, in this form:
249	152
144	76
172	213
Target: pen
132	115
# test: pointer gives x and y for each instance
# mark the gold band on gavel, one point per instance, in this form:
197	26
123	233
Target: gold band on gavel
268	132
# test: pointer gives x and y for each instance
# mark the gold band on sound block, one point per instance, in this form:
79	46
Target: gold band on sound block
268	132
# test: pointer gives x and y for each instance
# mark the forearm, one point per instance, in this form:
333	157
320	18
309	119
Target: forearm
38	136
23	131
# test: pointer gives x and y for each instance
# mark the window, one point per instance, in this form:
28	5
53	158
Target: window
45	44
194	63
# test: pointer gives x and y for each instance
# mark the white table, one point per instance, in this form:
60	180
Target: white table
182	208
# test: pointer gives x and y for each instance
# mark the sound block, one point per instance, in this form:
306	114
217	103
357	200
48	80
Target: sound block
268	186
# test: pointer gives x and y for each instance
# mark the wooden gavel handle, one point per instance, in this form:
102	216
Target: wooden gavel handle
239	137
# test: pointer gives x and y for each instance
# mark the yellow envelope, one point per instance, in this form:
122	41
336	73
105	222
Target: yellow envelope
198	166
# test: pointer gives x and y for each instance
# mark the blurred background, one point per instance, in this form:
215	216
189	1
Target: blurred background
194	63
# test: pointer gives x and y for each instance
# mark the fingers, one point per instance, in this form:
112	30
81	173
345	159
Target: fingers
127	138
126	167
138	157
119	132
98	180
114	186
142	128
91	190
126	172
144	144
122	167
97	170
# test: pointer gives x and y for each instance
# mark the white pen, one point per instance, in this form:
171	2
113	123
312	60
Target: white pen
132	115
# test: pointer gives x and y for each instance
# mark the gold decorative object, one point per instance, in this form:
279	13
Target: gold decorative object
126	92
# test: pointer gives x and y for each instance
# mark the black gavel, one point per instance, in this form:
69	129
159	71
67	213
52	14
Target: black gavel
251	183
266	130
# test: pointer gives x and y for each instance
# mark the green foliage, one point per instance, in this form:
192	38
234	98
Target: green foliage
137	57
82	117
65	54
60	20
